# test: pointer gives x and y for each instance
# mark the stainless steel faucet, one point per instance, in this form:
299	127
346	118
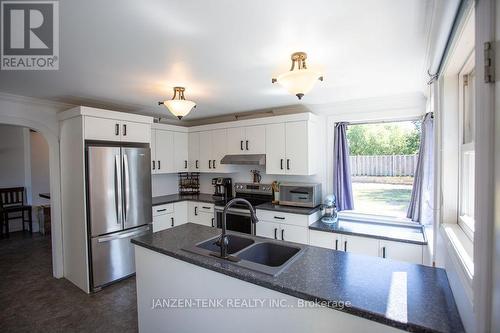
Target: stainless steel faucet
223	241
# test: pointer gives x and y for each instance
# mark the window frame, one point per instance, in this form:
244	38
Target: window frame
464	220
354	215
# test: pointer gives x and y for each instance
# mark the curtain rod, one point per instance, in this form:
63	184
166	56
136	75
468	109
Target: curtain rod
367	122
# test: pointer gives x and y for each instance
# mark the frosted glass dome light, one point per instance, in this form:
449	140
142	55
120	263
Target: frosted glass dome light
178	105
299	80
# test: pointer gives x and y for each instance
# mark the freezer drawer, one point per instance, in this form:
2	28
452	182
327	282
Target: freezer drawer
113	256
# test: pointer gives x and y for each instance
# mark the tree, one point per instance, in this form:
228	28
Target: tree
398	138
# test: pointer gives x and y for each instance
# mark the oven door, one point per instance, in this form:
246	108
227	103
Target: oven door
236	220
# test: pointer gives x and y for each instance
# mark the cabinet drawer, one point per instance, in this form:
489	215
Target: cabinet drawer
163	209
285	218
205	207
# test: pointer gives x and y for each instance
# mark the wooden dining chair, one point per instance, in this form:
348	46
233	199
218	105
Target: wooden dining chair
12	200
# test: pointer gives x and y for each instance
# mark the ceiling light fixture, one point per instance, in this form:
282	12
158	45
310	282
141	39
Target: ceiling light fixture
299	80
178	105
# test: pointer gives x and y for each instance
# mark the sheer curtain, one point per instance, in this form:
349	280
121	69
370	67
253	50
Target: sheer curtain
342	185
421	208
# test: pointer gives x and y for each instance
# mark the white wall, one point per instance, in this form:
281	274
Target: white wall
164	184
12	156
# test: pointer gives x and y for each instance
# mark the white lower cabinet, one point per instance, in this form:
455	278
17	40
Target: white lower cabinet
169	215
201	213
281	231
367	246
401	251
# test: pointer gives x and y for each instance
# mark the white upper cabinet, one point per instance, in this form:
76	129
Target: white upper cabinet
246	140
236	140
297	154
194	152
219	150
275	149
205	151
164	151
289	148
180	152
255	139
102	129
135	132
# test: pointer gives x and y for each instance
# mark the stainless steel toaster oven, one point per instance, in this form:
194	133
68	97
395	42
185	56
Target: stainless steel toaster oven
300	194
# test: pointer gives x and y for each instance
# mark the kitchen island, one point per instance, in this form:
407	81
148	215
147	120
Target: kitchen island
320	291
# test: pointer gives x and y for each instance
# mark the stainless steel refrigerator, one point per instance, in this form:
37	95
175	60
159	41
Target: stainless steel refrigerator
118	208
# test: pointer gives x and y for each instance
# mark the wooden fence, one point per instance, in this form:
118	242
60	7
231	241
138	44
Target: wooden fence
383	165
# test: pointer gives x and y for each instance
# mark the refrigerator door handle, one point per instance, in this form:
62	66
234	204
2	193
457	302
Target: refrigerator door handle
127	186
123	235
118	192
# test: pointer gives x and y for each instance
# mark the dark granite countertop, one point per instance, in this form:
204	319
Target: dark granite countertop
411	297
288	209
394	232
171	198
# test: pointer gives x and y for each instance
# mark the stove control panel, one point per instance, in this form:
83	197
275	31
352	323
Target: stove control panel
253	188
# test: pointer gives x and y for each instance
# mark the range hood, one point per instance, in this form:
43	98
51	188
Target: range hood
249	159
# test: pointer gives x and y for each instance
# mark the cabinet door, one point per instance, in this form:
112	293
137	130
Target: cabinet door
135	132
180	152
162	222
206	219
236	140
194	151
401	251
275	149
205	151
102	129
164	151
327	240
360	245
267	229
153	151
219	150
180	212
296	148
193	212
293	233
255	139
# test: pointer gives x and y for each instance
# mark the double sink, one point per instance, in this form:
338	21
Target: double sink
261	255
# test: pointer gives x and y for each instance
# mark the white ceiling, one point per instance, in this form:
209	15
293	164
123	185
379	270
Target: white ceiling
128	55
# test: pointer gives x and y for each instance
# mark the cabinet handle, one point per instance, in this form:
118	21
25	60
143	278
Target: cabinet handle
196	210
279	218
172	221
345	246
159	165
241	144
124	129
213	164
336	244
288	164
282	234
383	252
205	207
161	210
185	164
246	144
117	129
212	222
196	164
275	233
154	165
281	164
210	164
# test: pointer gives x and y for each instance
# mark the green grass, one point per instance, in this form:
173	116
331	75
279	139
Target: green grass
382	199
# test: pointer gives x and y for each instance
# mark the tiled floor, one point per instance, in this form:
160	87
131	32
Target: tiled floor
31	300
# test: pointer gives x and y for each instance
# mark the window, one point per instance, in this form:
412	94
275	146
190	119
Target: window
383	159
466	159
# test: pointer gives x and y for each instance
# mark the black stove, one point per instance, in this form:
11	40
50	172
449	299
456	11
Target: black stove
238	216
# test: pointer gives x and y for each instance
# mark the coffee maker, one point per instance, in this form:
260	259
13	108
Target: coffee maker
223	188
